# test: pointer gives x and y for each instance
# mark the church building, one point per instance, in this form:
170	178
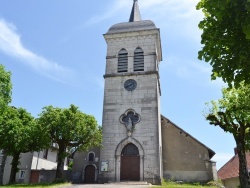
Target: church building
139	144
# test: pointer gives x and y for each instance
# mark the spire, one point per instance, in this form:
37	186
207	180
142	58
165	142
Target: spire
135	13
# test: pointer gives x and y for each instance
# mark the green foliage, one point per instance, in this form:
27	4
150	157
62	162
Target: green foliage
5	99
70	128
232	111
70	166
226	39
38	185
171	184
215	184
5	87
20	133
232	114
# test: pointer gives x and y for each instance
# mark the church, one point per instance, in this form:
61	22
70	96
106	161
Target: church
139	144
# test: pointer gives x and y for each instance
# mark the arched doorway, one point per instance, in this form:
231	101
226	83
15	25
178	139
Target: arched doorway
130	163
89	176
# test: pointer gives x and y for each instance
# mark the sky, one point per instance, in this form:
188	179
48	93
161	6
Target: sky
56	53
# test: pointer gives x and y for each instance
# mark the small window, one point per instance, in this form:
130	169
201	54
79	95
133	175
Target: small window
91	157
123	61
22	174
45	153
138	60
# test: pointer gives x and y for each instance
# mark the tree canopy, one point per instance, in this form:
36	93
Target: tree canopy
5	99
232	114
5	87
69	127
20	133
226	39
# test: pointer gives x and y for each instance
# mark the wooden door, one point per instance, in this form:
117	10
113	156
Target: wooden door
130	163
34	177
89	174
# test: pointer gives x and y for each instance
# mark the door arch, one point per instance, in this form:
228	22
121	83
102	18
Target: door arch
130	163
89	174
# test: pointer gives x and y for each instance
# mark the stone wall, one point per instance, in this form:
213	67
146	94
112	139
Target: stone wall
231	183
144	100
184	158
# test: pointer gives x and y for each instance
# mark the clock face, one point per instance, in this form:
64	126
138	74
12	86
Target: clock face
130	85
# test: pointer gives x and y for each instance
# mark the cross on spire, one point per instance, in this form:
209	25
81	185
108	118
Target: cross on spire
135	13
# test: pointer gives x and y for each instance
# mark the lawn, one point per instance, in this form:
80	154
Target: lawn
50	185
176	185
58	185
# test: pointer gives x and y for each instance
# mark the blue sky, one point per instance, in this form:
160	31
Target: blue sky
56	53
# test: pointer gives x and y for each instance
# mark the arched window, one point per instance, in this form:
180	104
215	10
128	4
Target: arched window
138	59
91	156
123	61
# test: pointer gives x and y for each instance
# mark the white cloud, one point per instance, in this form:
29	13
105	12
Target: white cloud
177	16
111	11
191	70
10	44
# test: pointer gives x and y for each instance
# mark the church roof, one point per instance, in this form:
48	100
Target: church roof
135	23
132	26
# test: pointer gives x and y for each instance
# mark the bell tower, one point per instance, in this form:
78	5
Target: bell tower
131	126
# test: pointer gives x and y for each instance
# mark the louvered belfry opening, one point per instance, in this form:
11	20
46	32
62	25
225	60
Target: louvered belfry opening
123	61
138	60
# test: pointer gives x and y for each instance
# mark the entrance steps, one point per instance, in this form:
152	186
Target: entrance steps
129	183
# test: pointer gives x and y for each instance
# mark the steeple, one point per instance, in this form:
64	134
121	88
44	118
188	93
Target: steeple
135	13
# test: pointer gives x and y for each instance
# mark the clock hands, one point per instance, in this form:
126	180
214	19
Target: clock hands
130	84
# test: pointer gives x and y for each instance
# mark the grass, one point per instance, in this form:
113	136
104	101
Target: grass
58	185
39	185
176	185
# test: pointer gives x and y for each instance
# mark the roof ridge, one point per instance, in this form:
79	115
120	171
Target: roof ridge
135	13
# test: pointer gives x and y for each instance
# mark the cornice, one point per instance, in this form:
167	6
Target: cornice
131	74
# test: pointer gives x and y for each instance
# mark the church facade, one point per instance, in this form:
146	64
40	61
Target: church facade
139	144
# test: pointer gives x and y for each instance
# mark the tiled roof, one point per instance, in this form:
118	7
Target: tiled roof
231	168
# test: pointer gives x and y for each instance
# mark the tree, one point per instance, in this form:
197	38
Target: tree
69	128
226	39
5	87
20	133
232	114
5	99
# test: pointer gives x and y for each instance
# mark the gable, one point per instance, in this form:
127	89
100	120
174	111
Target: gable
167	124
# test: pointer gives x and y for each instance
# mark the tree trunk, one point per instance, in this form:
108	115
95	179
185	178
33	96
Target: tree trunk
14	168
243	172
60	162
2	166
